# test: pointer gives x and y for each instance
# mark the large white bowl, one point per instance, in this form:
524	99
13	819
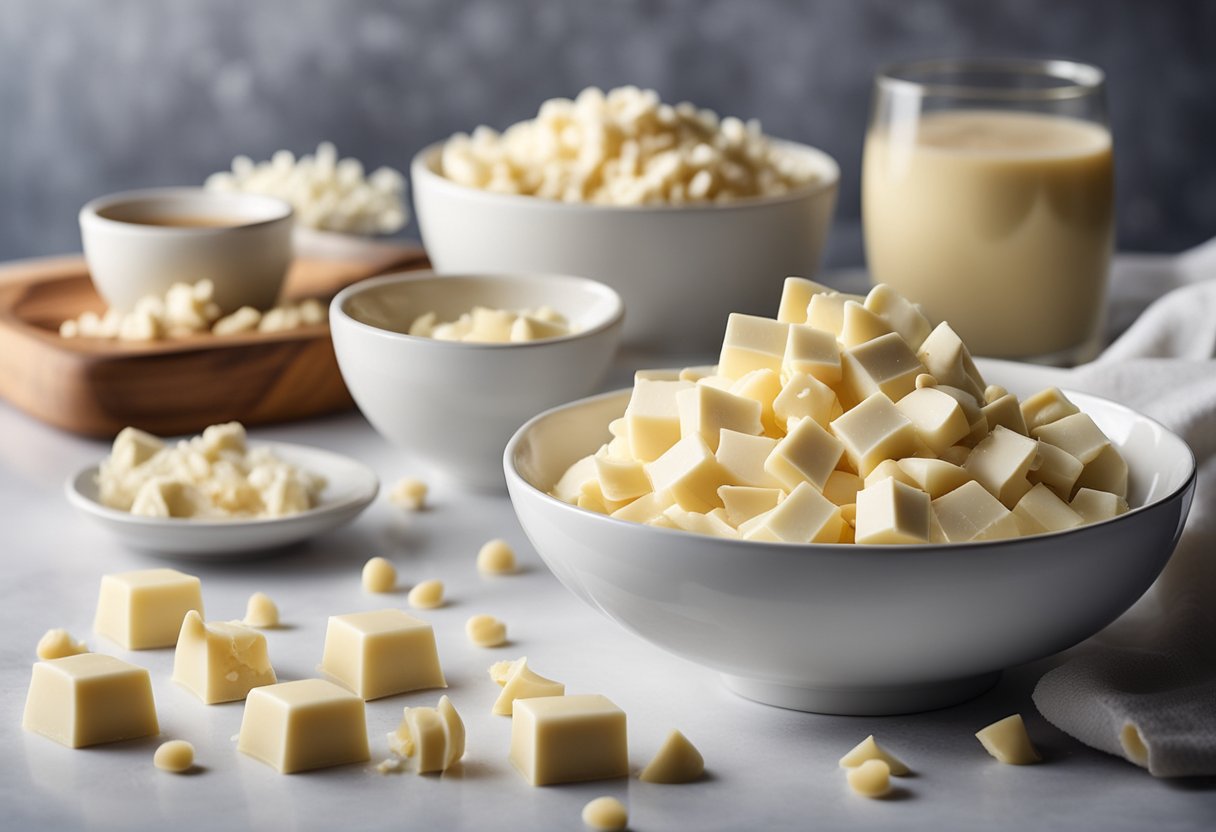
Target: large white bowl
681	269
454	405
853	629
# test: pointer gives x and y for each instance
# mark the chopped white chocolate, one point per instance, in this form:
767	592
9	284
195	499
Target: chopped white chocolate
808	453
570	486
1007	741
1001	463
805	397
752	343
883	364
245	319
653	417
892	512
1005	411
433	739
1057	469
690	472
934	476
677	761
496	557
869	749
89	699
708	411
426	595
483	325
888	469
646	508
826	311
605	814
220	661
743	502
522	682
1095	506
174	756
486	631
1077	434
870	779
409	493
1045	407
57	643
568	739
712	523
796	295
261	612
811	352
144	609
379	575
805	516
764	386
742	458
842	487
622	479
860	325
949	361
381	653
303	725
874	430
1105	472
969	513
901	314
1041	510
938	417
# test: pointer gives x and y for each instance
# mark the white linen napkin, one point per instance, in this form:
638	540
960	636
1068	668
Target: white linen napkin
1145	687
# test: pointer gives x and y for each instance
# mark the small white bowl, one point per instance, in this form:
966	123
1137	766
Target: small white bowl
350	488
129	257
850	629
452	404
681	269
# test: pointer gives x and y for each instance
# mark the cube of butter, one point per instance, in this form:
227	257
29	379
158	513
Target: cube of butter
304	725
752	343
89	699
381	653
220	661
689	471
568	739
874	430
653	417
144	609
969	512
892	512
808	453
708	411
805	516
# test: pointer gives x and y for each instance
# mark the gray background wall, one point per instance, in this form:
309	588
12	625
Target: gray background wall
112	94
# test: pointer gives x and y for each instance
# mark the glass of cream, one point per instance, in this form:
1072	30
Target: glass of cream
988	198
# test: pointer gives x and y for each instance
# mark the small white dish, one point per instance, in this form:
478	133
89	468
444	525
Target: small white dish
350	488
454	404
853	629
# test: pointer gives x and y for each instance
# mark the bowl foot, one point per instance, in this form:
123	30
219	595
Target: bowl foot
862	701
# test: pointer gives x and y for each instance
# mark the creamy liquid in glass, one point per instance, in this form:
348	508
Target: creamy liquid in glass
1001	223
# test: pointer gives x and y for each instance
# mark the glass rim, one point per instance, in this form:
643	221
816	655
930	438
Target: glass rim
1081	79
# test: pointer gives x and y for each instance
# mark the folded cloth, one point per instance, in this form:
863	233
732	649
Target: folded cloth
1145	687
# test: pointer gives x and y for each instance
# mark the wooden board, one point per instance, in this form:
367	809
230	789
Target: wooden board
97	387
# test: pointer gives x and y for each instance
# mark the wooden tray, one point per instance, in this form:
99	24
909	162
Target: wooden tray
97	387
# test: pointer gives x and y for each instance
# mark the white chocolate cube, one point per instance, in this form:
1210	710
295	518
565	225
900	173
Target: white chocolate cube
888	365
969	513
796	296
1076	434
743	502
764	386
1105	472
812	352
523	682
708	411
934	476
698	372
645	508
885	470
568	739
826	311
570	485
132	448
1005	411
861	325
1007	741
144	609
712	523
805	397
752	343
1040	510
220	661
653	417
1057	469
901	314
1001	462
677	761
689	471
742	457
381	653
874	430
1045	407
946	357
808	453
892	512
805	516
938	417
620	479
303	725
842	487
1094	506
89	699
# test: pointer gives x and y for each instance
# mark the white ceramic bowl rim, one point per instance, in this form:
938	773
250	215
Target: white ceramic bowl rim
862	549
337	307
425	165
260	208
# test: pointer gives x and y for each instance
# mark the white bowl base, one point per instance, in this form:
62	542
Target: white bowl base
877	701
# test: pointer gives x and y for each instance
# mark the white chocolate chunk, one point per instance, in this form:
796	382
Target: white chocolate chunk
570	485
805	516
752	343
1001	462
948	360
796	296
646	508
892	512
882	364
657	374
698	372
57	643
901	314
144	609
174	756
501	671
1105	472
486	631
874	430
592	498
870	779
220	661
677	761
712	523
1045	407
888	469
869	749
381	653
742	457
1057	469
805	397
826	311
860	325
132	448
690	472
764	386
1095	506
426	595
743	502
261	612
653	417
1007	741
409	493
1005	411
89	699
605	814
621	479
568	739
708	411
245	319
1076	434
379	575
812	352
938	417
496	557
279	726
1040	510
432	739
523	683
842	487
969	513
808	453
167	497
934	476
